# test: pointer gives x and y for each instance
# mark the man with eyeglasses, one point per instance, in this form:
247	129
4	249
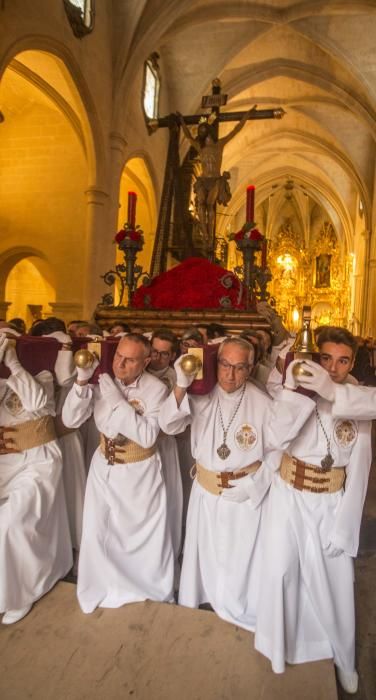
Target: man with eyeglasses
163	352
222	554
126	553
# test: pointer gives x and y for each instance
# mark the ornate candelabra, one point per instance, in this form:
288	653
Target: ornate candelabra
248	241
130	241
255	277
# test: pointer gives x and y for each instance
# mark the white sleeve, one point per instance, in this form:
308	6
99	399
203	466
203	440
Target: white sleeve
355	402
65	370
34	393
78	405
345	533
288	414
174	419
142	429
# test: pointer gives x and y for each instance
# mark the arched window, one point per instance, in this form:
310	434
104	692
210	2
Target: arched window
151	88
81	16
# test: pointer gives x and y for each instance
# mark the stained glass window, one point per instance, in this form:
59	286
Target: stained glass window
81	15
151	87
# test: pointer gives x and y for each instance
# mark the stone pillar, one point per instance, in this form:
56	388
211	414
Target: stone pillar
98	249
369	308
4	306
102	217
67	310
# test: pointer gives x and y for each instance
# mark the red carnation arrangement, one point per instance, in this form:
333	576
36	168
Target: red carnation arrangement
133	233
247	231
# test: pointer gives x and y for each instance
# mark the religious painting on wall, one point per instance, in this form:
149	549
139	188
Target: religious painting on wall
323	270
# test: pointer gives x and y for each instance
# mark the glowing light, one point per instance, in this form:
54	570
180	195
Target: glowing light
286	261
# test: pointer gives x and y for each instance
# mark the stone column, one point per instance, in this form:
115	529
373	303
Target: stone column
4	306
98	249
67	310
369	309
102	217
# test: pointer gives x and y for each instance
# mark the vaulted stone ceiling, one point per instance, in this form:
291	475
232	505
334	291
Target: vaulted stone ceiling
315	59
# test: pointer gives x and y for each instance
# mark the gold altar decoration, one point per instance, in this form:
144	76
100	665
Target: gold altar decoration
317	274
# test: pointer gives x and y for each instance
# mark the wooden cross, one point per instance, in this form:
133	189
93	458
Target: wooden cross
172	181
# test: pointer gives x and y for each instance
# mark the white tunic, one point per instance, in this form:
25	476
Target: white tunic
72	450
222	557
306	606
355	402
35	546
126	553
171	471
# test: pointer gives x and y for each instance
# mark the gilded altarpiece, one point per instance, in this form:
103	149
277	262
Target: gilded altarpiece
317	274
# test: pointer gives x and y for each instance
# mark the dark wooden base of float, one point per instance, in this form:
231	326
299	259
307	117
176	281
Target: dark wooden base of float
234	321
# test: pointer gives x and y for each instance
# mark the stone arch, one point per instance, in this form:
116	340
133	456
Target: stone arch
94	142
27	278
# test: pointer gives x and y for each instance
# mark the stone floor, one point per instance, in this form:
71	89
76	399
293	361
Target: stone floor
365	594
150	651
144	651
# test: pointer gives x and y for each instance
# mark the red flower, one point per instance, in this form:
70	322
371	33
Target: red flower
132	234
255	235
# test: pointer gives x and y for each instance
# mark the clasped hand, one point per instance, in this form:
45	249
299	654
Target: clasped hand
109	391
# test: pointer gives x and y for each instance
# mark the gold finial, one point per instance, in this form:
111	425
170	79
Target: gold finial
84	358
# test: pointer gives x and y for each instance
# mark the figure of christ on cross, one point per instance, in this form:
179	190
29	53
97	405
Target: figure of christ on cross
212	186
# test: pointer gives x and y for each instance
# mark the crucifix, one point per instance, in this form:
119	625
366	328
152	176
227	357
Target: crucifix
212	186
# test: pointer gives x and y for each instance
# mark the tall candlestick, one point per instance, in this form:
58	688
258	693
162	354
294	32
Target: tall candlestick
132	199
263	253
250	210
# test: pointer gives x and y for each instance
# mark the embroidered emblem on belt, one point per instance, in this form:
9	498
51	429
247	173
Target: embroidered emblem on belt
345	432
245	436
13	403
138	406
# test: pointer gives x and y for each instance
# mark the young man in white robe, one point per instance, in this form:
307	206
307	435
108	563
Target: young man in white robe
305	610
126	553
348	401
163	352
70	440
35	545
222	556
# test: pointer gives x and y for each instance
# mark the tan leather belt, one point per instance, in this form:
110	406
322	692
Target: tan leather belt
309	477
124	451
25	436
215	482
61	429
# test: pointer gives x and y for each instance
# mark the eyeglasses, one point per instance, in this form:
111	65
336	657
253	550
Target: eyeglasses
240	367
164	354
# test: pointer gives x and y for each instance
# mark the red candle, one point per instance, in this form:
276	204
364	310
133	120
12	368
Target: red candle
132	199
263	253
250	211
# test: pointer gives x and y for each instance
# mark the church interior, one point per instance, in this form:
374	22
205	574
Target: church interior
89	96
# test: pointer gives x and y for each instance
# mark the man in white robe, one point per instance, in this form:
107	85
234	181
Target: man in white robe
126	553
222	557
306	605
348	401
35	545
70	440
163	352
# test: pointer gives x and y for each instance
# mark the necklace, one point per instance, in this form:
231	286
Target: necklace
223	450
328	460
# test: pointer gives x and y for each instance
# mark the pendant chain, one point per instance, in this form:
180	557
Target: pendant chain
328	460
224	450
